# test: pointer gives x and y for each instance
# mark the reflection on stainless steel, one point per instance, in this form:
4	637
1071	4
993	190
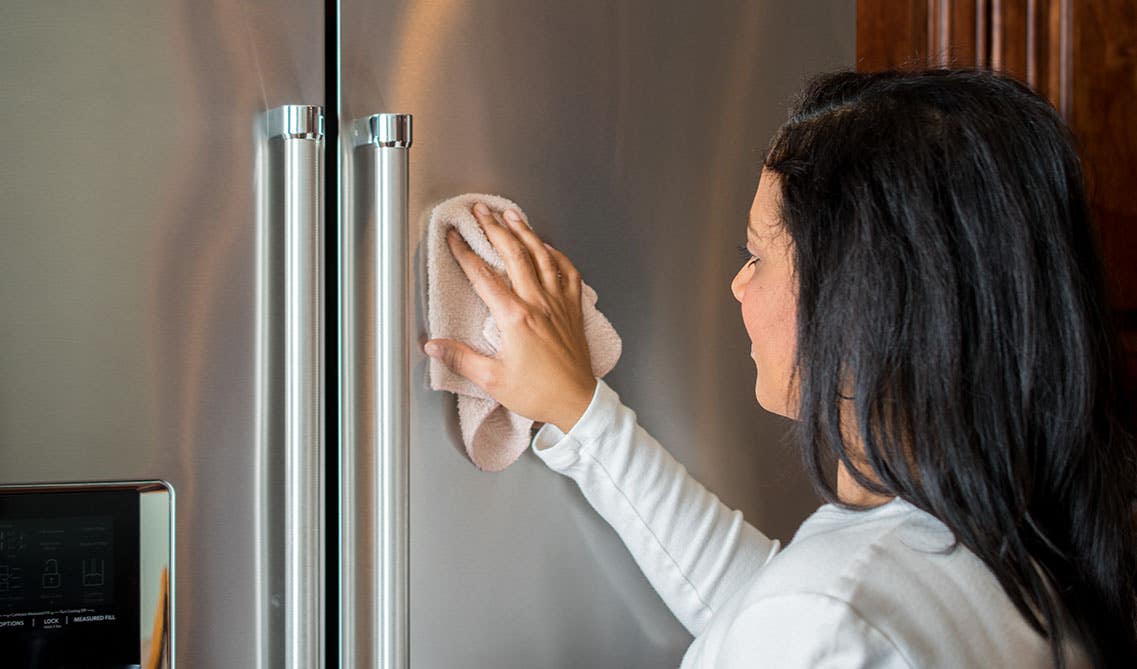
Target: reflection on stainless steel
156	537
295	122
375	371
156	654
290	381
382	130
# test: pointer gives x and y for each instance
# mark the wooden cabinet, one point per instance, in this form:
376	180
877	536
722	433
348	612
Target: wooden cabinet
1080	54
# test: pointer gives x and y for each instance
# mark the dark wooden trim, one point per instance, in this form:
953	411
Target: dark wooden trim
899	32
983	33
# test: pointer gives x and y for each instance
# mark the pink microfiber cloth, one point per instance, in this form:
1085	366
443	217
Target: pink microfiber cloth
494	436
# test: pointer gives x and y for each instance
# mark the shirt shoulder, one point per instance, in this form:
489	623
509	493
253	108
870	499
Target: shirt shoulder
893	573
806	630
843	553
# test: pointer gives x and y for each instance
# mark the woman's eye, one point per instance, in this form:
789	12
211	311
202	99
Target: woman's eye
745	254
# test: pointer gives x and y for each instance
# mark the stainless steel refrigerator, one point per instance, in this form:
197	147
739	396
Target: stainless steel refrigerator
217	445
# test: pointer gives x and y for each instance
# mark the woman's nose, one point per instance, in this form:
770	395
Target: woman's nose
738	284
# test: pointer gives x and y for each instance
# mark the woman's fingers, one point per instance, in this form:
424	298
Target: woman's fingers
570	276
547	267
487	283
542	369
518	262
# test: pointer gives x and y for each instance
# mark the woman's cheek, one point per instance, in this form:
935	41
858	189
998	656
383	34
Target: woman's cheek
774	347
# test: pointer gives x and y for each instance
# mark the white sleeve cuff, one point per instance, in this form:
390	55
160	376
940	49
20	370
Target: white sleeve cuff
559	450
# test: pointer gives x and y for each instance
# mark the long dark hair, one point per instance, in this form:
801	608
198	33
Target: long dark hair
948	278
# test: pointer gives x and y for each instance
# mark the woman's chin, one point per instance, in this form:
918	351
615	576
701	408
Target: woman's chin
760	397
764	401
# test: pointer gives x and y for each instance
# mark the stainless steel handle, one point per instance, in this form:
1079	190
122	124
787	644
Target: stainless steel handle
290	376
375	368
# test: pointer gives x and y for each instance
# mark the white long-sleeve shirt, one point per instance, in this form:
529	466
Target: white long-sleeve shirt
852	589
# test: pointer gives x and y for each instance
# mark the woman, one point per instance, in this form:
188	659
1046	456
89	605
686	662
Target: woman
924	299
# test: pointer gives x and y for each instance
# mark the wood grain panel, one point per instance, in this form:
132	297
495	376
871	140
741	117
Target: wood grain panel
1103	114
953	30
1030	41
1052	29
1011	51
899	34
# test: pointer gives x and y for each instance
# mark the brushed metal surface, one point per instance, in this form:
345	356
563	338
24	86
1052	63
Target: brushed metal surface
304	409
290	382
377	319
128	267
631	133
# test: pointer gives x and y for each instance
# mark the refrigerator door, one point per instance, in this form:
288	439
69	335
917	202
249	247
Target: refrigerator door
129	279
632	134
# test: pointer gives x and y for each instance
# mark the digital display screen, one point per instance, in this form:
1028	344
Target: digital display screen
69	579
63	564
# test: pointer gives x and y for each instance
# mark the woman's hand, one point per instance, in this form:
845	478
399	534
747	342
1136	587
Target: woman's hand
542	370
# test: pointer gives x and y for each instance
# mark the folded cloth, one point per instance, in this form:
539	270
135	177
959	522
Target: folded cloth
493	436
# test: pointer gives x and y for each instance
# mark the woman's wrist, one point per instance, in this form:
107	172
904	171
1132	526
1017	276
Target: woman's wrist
575	408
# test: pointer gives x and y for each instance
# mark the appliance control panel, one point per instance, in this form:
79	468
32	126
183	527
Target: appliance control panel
85	575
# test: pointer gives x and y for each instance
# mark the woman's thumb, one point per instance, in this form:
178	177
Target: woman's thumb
459	358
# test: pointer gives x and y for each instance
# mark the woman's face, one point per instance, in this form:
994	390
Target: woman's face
766	290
